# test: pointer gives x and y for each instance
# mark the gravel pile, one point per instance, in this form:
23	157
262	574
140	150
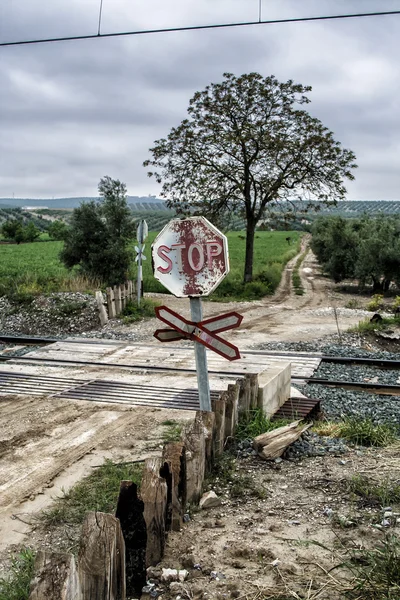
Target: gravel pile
57	314
351	346
337	404
357	373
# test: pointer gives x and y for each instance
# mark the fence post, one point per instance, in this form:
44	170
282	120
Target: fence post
55	577
101	562
130	514
117	296
110	303
154	493
100	305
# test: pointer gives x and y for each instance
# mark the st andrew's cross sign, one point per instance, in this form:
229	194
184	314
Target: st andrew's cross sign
190	258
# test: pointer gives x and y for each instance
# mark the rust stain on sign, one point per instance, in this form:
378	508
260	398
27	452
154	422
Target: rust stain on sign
190	257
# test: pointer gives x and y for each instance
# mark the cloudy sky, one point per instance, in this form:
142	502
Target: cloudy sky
71	112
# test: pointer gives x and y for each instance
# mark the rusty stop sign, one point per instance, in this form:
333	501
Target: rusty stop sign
190	257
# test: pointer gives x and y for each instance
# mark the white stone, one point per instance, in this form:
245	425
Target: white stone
209	499
169	575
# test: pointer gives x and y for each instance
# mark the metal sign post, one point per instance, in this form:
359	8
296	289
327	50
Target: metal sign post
200	353
190	259
141	235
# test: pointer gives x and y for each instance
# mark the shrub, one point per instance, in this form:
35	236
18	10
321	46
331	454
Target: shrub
376	303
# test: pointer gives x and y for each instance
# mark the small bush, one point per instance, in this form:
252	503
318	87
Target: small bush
132	312
353	303
173	431
376	303
376	572
383	493
364	432
16	585
396	303
365	326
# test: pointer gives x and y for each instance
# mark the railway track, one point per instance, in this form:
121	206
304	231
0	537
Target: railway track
379	388
344	360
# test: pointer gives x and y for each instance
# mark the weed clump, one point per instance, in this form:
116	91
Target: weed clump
255	422
97	492
16	585
132	312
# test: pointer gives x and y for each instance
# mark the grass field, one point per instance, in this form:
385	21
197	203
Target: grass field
34	268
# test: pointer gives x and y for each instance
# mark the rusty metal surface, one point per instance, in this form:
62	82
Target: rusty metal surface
100	391
190	257
297	408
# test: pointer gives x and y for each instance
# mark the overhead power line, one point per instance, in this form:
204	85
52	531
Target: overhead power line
200	27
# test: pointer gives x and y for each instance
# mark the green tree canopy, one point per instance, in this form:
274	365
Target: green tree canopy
367	249
98	237
245	144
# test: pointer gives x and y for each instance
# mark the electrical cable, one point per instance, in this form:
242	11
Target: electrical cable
198	28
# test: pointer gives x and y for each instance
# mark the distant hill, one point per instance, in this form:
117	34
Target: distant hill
136	202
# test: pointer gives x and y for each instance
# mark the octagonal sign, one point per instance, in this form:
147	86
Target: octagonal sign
190	257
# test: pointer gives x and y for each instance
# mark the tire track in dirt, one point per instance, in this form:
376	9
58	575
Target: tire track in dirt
30	466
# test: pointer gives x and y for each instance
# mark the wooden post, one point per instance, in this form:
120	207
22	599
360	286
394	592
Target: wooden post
110	303
219	428
208	419
55	577
101	562
130	514
117	296
194	440
244	395
154	493
100	305
130	291
174	453
253	381
231	409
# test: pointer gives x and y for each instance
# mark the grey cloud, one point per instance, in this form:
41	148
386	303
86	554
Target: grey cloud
73	112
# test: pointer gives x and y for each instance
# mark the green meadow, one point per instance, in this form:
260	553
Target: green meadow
36	267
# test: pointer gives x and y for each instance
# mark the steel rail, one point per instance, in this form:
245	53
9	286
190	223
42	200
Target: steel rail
141	368
378	388
350	360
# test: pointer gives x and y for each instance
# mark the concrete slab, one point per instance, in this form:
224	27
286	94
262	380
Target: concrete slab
274	388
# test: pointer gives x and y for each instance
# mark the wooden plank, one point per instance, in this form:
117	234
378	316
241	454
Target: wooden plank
110	303
154	493
130	514
272	444
175	454
101	562
55	577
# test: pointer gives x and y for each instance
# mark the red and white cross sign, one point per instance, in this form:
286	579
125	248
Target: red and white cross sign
203	332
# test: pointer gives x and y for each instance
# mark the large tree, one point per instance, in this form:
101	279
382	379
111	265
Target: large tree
98	237
247	143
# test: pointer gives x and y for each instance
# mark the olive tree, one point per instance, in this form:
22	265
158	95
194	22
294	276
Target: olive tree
100	231
245	144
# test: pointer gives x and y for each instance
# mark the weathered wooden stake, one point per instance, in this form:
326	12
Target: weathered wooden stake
130	514
55	577
154	493
101	561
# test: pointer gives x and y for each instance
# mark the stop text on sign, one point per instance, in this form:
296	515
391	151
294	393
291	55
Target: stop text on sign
190	257
196	255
